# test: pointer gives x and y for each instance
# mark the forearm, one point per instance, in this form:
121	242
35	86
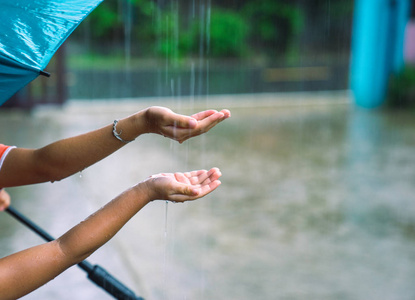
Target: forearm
83	239
25	271
68	156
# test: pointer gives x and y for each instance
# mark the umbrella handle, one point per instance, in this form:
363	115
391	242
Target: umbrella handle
103	279
96	274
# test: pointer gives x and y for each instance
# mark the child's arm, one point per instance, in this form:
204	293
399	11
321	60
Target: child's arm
23	272
69	156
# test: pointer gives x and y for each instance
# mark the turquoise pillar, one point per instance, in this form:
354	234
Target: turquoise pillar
377	48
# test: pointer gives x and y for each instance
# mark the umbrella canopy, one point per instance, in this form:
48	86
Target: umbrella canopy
30	33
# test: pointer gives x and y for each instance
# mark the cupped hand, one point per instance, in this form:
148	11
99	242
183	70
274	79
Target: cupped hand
4	200
178	127
181	187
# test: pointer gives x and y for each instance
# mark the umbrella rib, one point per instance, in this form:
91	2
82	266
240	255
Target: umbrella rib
44	73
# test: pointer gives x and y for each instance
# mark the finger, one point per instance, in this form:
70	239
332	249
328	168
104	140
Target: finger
170	118
195	173
206	120
196	177
204	114
180	177
214	174
226	112
196	193
187	193
202	177
209	122
207	174
181	121
208	188
207	113
184	192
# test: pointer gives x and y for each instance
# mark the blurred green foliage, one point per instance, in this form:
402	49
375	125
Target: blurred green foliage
109	21
224	35
166	29
104	20
273	24
401	93
228	33
184	28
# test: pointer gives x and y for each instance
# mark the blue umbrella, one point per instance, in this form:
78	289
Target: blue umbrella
30	33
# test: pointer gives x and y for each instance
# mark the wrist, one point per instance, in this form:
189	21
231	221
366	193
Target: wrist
139	123
129	128
144	192
151	119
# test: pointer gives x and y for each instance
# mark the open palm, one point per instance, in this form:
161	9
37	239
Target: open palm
180	187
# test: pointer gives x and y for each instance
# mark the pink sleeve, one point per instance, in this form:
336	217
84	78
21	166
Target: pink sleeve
4	150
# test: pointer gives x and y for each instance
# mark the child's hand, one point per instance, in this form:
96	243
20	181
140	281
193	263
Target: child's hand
181	187
4	200
179	127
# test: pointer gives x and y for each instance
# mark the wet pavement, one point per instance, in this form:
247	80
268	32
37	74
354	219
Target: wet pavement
317	201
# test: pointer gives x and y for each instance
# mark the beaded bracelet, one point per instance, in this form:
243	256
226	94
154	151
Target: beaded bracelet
118	135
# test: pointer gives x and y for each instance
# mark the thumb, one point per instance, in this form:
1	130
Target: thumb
185	122
186	190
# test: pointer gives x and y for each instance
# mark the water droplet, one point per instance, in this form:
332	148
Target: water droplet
208	28
193	9
165	219
192	80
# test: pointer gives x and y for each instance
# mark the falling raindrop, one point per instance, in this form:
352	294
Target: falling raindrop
193	9
208	27
128	25
207	82
165	220
202	32
192	81
165	251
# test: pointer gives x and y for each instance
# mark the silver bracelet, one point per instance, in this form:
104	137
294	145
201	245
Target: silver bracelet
117	135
